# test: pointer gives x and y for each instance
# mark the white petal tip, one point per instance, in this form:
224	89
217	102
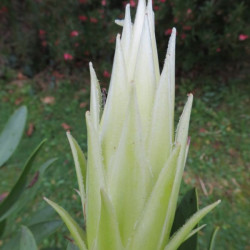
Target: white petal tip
119	22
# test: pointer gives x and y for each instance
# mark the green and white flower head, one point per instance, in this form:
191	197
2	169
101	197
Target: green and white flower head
130	183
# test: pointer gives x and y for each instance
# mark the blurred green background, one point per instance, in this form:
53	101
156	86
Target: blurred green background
45	47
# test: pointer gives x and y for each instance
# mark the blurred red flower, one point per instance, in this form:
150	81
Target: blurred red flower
183	36
104	3
3	10
83	18
67	57
243	37
168	32
156	7
93	20
189	11
44	43
132	3
187	27
74	33
42	34
106	74
83	1
162	1
218	50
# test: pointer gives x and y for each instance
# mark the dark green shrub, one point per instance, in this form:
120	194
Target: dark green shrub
213	36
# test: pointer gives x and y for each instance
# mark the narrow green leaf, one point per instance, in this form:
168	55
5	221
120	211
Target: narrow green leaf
213	237
19	187
12	133
149	227
80	166
108	236
31	189
183	232
187	207
75	230
27	241
2	227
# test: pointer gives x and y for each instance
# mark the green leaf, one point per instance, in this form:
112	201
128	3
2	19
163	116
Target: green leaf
44	229
108	236
12	133
40	231
213	237
20	185
75	230
46	212
80	166
183	232
27	241
72	246
2	227
31	190
187	207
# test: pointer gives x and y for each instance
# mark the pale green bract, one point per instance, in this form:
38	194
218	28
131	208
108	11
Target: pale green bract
130	182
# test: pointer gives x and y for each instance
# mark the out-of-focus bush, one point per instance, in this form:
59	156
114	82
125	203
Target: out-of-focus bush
37	34
212	35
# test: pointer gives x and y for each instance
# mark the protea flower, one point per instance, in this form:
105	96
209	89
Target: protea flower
130	183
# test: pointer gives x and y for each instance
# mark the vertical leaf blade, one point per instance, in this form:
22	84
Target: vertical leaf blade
12	133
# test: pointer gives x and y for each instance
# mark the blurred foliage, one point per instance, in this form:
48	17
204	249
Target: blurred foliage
22	192
213	36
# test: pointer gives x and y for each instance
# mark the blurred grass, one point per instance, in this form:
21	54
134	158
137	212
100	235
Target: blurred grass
217	165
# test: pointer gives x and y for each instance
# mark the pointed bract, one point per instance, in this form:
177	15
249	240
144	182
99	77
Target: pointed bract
127	35
108	236
129	169
95	97
95	181
136	37
135	161
115	108
150	225
144	77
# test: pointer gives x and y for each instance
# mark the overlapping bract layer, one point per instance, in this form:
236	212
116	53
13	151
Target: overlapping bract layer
135	158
